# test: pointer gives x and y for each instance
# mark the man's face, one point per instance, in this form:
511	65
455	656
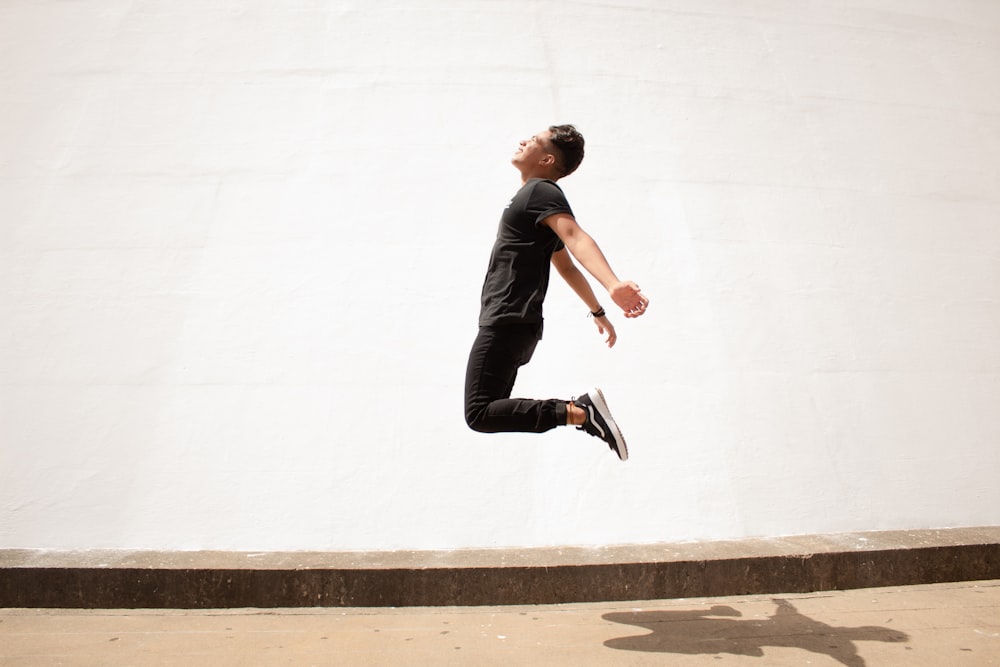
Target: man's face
533	151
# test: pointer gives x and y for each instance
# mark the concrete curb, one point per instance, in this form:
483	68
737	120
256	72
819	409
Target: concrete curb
201	580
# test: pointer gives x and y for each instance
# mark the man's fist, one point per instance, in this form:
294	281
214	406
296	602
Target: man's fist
628	297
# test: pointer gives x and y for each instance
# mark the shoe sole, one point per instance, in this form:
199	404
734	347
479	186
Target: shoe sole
601	405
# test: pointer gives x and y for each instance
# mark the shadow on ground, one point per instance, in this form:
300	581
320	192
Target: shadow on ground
708	632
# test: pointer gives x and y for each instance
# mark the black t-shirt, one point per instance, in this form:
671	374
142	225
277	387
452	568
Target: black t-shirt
518	275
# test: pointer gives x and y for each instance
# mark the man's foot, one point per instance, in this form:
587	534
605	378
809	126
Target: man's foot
600	423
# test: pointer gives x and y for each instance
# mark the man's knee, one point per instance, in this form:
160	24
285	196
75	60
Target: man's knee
476	420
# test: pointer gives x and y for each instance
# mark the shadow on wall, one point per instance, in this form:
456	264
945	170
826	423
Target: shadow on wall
697	633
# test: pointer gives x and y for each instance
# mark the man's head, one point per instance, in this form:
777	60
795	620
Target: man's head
552	154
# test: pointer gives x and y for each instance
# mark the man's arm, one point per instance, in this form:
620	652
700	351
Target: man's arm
578	282
625	294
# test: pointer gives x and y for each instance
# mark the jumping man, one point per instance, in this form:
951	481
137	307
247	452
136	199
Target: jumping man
538	229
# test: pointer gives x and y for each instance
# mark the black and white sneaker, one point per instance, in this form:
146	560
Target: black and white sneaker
600	423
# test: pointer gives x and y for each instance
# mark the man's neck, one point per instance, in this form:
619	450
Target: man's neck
528	175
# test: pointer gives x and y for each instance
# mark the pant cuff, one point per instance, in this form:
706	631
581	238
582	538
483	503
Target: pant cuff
561	412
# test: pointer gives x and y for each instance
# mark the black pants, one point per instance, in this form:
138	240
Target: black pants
497	354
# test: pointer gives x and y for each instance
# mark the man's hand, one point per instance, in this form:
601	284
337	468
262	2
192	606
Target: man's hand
628	297
604	326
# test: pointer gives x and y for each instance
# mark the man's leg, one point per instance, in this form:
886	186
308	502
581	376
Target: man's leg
489	380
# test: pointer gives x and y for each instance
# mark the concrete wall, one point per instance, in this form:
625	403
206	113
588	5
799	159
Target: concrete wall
241	246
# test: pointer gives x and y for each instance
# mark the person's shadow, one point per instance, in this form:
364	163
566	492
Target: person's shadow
703	632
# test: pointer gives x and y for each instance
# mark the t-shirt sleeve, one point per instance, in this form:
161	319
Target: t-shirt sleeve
548	199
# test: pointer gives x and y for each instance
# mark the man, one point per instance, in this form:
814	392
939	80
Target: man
538	229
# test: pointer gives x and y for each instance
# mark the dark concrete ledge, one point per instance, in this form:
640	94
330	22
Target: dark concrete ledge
193	580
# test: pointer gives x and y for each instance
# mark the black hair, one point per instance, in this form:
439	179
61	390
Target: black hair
569	144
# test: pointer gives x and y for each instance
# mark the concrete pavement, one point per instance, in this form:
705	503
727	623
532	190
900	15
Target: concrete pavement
926	625
117	579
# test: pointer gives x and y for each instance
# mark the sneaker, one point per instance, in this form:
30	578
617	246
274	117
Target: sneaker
600	423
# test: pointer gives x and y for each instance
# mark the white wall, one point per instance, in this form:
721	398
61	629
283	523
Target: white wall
241	247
